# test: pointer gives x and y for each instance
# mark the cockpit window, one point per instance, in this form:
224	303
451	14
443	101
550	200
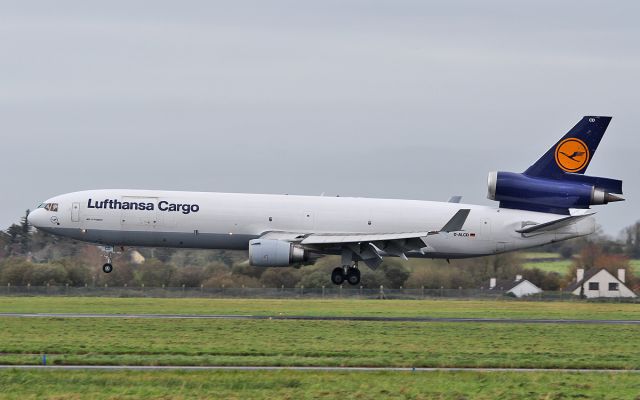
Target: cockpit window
51	207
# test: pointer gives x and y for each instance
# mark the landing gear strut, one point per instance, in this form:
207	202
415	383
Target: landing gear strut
349	273
108	253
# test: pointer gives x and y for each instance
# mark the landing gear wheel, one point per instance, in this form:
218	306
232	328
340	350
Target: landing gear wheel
353	276
337	276
106	268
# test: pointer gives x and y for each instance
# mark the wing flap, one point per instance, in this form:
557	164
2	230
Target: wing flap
334	238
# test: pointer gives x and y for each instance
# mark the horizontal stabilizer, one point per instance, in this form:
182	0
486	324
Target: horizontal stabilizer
553	225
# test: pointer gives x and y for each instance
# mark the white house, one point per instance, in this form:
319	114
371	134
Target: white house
598	282
519	287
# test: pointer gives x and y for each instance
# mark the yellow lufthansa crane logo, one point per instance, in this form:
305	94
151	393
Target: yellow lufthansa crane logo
572	155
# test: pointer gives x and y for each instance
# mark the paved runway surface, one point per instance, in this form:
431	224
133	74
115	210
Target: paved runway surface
321	318
340	369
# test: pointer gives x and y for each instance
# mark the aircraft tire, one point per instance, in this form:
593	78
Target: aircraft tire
337	276
106	268
353	276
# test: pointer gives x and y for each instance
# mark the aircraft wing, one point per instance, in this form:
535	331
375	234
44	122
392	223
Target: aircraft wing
454	224
336	238
370	247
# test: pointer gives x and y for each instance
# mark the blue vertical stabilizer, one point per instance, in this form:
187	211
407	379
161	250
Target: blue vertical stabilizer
572	153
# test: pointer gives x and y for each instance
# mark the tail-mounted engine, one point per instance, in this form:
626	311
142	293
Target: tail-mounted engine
521	191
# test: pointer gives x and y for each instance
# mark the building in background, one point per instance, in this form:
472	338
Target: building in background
598	282
518	287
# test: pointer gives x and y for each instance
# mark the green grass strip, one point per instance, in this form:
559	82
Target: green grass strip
318	307
314	385
316	343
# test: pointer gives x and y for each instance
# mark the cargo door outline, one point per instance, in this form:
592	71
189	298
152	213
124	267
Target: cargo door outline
139	219
75	212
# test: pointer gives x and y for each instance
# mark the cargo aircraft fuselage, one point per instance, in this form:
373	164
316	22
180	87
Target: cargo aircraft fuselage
547	203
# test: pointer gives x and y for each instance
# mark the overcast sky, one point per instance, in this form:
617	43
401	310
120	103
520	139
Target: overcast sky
397	99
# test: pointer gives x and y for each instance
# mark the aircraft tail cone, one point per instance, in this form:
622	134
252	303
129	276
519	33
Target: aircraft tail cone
610	198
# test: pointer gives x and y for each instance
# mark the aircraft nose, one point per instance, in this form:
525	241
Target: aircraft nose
35	218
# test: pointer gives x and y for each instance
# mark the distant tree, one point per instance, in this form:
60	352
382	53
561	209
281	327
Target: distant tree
229	280
4	244
14	270
566	251
632	240
395	273
596	256
153	273
278	277
248	270
13	232
189	276
439	276
163	253
544	280
25	234
48	273
316	277
479	270
19	271
78	273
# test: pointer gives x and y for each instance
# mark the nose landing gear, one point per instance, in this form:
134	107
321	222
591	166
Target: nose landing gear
108	254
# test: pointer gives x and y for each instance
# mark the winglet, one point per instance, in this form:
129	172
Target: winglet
456	222
455	199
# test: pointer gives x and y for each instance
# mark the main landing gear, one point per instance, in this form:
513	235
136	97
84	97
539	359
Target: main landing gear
349	273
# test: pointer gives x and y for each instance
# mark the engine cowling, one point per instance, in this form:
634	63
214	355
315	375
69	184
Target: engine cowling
540	193
275	253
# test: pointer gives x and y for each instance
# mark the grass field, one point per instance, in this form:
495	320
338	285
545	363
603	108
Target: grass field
561	267
316	343
113	341
286	342
314	385
504	308
553	262
540	255
635	265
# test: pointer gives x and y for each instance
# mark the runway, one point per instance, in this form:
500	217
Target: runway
327	318
313	369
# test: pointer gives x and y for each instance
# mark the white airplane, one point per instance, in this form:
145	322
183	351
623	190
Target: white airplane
546	203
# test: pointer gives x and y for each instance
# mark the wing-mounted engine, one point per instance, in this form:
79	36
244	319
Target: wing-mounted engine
276	253
520	191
